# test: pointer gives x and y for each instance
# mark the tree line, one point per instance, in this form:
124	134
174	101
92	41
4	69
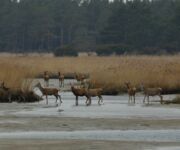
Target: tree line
66	27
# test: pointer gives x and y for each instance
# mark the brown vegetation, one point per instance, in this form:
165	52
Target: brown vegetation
18	95
107	72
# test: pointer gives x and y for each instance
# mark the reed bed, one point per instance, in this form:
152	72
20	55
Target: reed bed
107	72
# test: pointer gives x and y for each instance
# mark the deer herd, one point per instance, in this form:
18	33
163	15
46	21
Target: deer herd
81	90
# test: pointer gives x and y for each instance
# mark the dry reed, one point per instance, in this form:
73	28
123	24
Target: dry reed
107	72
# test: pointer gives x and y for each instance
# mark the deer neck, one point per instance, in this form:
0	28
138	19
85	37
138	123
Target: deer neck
73	90
128	87
41	88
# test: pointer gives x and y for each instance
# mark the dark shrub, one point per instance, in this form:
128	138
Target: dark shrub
65	51
109	49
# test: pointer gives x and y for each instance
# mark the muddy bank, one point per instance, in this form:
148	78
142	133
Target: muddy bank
82	145
13	123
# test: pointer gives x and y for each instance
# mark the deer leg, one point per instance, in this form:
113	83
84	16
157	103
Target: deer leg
161	97
76	100
60	99
144	99
59	83
86	101
46	100
134	99
22	98
148	99
62	83
89	100
56	98
9	98
101	99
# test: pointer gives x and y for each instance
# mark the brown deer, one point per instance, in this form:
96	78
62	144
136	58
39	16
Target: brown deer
152	92
131	91
46	78
80	92
79	77
61	79
93	93
49	91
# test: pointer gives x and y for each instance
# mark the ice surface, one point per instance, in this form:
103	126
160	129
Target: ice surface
113	107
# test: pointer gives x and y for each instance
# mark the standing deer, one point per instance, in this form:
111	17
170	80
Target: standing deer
49	91
61	79
80	92
152	92
79	77
131	91
93	93
46	78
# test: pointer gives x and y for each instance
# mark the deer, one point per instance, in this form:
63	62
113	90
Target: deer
49	91
131	92
93	93
79	77
46	78
152	92
80	92
61	79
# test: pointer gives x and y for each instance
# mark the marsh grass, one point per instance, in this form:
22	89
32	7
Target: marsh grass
107	72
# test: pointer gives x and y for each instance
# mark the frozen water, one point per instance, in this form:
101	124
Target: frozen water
113	107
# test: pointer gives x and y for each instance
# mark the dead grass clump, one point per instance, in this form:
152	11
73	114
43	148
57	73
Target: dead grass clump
14	75
176	100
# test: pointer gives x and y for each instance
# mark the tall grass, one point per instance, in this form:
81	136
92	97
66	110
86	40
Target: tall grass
109	72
